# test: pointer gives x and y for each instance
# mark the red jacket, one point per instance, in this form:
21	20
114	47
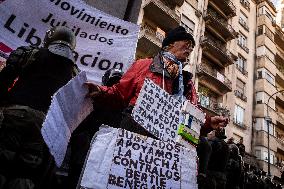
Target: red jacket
126	92
128	89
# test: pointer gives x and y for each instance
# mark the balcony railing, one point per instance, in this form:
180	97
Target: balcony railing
242	70
243	24
174	2
213	43
210	14
226	6
151	35
244	47
214	73
163	7
213	106
245	4
280	67
240	95
280	117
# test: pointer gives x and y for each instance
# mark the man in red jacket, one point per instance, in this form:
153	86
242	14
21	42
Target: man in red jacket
165	69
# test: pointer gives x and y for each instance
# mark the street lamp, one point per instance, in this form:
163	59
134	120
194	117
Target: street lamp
268	121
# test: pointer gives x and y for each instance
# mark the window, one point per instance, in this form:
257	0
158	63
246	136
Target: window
262	154
261	97
239	115
268	14
261	125
260	30
258	154
265	74
187	24
241	63
240	86
269	77
242	42
246	4
264	11
265	30
265	156
243	20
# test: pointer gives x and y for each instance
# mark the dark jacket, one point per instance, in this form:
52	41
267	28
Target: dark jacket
37	81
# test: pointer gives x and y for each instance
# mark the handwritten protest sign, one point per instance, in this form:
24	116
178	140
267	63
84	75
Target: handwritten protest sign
158	111
103	41
122	159
64	116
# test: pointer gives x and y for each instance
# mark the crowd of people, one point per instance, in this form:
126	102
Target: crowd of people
221	165
32	75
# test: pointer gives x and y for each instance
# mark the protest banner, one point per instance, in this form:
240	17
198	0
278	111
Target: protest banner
103	41
64	116
122	159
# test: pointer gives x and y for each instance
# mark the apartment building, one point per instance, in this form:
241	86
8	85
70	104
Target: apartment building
236	61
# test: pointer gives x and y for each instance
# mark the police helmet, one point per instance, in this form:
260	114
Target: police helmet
112	76
61	40
60	35
234	150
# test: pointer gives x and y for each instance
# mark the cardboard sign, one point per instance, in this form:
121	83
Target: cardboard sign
157	111
121	159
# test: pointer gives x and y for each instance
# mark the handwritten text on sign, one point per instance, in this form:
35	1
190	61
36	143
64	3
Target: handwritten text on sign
157	111
140	163
121	159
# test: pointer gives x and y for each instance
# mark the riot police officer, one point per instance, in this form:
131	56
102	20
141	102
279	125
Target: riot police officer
32	76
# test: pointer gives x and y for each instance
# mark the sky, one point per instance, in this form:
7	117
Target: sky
276	3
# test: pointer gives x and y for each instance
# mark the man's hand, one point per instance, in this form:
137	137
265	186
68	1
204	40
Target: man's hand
94	90
219	122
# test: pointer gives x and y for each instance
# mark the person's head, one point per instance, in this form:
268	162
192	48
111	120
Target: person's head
179	42
231	140
221	133
241	140
60	40
234	151
112	76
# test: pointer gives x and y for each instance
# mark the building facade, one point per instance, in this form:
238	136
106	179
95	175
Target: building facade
238	63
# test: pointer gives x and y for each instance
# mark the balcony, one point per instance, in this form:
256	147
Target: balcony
173	3
280	100
245	4
243	46
242	70
159	12
149	42
216	23
280	118
214	80
279	37
217	52
227	7
211	107
240	95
